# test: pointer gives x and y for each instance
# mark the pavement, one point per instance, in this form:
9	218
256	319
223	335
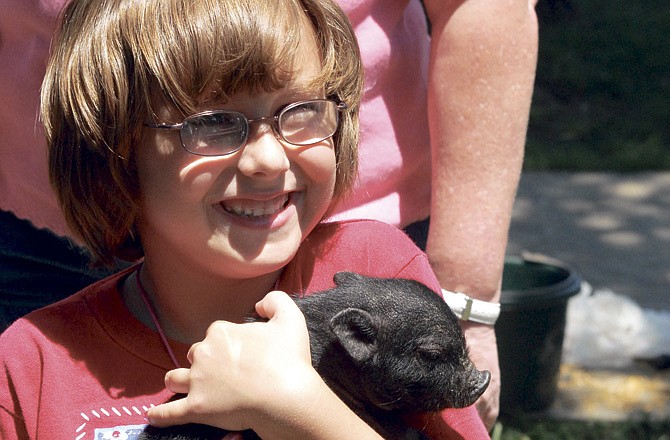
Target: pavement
614	231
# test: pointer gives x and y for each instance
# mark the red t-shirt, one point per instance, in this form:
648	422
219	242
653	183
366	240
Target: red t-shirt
86	368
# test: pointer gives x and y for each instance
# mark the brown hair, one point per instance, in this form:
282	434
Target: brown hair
109	56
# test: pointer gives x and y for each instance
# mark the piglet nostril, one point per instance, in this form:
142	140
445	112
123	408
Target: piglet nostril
483	381
478	382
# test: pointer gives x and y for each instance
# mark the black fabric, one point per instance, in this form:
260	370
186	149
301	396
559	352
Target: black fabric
418	232
37	268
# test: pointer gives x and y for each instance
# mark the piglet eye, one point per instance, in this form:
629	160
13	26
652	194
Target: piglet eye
430	353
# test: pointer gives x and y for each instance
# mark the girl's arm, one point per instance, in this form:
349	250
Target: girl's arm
259	376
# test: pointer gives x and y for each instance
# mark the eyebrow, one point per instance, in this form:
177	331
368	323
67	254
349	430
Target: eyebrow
311	91
308	91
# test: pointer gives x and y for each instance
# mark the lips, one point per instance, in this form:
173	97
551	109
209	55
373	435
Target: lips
251	208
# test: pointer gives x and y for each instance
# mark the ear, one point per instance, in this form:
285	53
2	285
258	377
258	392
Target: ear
357	333
344	278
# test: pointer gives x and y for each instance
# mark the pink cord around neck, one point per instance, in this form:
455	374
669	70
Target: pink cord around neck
154	318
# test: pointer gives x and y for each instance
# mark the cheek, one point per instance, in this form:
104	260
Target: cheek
160	181
173	182
199	174
318	164
155	161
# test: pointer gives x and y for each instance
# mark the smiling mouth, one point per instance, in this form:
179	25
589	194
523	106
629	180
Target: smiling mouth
256	208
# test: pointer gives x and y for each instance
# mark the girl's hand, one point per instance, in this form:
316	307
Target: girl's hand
243	376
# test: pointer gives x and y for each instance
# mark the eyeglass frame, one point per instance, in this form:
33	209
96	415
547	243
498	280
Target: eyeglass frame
272	120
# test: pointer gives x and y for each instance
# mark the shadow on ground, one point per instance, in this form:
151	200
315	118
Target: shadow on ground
613	229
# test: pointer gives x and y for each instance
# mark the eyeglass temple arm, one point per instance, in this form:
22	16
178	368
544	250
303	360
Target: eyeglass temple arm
164	126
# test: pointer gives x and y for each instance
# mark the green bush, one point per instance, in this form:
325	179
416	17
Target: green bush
602	95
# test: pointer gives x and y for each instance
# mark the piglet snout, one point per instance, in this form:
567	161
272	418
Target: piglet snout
477	383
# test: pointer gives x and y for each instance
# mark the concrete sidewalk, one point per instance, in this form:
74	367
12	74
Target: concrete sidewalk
613	229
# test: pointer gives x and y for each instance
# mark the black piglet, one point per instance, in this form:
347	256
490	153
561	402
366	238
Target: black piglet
386	347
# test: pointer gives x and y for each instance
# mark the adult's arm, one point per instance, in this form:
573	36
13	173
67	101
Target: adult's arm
482	70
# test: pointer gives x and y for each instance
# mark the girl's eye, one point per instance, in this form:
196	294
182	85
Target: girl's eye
301	114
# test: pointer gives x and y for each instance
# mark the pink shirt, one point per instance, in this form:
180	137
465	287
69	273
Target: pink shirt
26	27
87	368
394	174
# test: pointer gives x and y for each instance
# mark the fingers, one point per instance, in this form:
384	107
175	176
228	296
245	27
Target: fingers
178	381
254	358
192	350
275	304
482	343
172	413
169	414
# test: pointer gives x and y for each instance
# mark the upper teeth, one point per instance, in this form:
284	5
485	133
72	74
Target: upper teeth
255	207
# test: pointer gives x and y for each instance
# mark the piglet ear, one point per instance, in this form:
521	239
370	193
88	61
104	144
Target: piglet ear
357	333
346	278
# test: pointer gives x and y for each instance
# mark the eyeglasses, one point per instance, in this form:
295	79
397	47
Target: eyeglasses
223	132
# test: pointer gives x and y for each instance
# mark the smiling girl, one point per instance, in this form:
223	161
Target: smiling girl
206	140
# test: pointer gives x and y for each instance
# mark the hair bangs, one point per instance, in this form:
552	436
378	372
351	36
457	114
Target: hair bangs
195	57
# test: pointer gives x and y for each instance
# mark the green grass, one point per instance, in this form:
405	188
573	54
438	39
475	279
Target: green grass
532	429
602	95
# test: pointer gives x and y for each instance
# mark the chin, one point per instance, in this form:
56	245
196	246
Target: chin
250	261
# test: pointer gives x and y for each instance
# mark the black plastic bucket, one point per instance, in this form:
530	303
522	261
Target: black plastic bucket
530	329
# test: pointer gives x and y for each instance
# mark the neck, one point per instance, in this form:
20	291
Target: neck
187	303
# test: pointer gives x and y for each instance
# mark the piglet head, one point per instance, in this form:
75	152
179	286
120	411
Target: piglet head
411	353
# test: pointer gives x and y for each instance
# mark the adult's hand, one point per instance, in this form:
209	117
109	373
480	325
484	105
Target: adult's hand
481	341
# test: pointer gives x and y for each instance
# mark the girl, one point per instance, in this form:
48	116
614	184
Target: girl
205	139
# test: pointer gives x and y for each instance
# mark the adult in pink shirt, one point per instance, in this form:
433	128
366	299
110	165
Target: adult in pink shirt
444	126
444	122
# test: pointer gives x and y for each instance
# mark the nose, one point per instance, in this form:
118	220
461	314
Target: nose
263	155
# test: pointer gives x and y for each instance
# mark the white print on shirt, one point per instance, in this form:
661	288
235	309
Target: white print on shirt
130	432
121	432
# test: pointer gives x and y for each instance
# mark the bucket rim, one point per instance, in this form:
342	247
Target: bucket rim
542	296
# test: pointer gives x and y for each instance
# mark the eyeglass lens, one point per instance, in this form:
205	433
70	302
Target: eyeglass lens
224	132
